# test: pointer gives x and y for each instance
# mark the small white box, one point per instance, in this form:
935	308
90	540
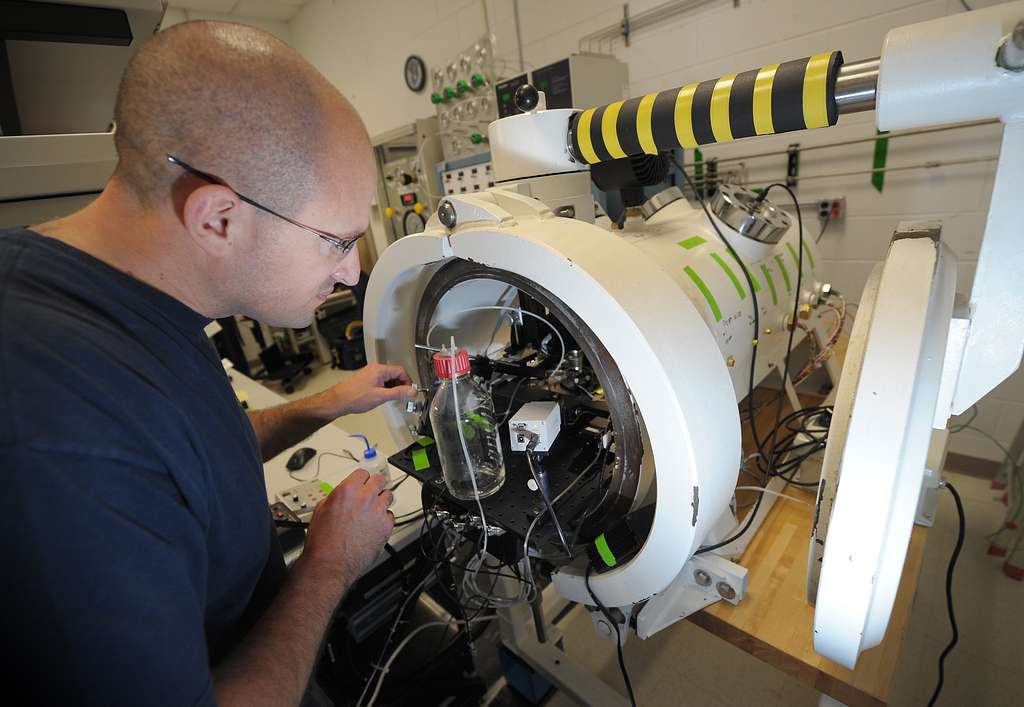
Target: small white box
543	419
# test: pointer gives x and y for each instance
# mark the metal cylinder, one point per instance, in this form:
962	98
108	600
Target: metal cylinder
793	95
856	85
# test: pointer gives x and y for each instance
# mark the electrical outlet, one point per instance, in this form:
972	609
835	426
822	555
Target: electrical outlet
832	209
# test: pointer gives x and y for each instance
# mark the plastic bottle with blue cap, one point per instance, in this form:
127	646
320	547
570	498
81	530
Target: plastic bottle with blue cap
372	461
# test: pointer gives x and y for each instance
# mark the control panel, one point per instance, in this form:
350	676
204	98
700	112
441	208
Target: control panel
505	94
303	499
578	81
464	180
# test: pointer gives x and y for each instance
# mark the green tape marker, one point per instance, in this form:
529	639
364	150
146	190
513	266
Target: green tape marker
771	283
425	441
881	153
732	276
691	242
753	279
807	252
604	551
420	460
704	291
326	487
785	273
796	258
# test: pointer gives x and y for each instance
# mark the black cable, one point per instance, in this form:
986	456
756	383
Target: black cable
785	369
405	222
949	590
618	637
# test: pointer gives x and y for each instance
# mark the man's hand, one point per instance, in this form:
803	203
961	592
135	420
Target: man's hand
373	385
350	526
284	426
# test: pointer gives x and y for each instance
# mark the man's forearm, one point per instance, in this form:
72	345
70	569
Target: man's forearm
284	426
273	664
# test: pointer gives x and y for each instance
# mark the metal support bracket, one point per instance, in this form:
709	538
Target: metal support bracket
704	580
792	164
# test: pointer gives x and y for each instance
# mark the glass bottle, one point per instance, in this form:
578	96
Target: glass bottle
459	392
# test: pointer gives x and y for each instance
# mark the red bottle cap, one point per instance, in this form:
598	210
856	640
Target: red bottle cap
443	364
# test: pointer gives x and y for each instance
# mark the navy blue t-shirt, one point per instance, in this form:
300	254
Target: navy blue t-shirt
136	540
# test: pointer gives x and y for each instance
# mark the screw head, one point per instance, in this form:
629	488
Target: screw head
702	578
446	214
726	590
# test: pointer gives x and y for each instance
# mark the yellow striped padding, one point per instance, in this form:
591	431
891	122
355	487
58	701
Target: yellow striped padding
583	136
816	91
720	125
608	130
763	100
643	124
683	116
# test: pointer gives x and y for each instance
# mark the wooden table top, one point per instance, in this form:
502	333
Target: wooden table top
775	623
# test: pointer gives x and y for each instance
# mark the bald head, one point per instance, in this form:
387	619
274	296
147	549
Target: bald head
238	103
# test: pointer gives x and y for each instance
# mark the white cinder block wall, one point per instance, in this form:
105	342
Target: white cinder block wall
361	47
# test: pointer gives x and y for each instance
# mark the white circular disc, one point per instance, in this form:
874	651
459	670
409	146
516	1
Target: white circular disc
878	464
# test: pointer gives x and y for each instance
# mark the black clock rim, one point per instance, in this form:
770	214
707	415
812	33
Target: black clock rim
414	58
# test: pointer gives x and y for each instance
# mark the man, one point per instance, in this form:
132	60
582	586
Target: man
142	566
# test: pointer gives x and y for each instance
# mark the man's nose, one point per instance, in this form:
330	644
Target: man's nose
349	268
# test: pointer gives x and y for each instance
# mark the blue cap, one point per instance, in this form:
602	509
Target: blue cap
370	452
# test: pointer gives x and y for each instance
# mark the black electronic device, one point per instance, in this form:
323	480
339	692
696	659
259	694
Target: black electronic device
555	81
505	93
300	458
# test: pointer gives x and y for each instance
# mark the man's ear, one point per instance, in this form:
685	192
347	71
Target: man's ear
212	216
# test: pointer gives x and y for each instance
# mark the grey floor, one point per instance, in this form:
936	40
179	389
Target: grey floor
684	665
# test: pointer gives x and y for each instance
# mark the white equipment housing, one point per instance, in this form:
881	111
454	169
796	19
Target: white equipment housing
671	307
682	348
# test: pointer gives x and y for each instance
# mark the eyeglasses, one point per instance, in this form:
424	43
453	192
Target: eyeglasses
345	245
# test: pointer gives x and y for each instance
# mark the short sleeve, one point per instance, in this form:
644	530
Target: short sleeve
104	589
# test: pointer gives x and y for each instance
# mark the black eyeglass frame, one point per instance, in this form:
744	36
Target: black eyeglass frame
345	245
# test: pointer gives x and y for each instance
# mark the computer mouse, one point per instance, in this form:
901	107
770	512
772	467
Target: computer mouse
300	458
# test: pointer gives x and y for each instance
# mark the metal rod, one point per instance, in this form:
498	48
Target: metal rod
855	141
519	34
641	20
901	168
856	86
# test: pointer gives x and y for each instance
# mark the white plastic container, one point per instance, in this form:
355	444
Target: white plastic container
372	461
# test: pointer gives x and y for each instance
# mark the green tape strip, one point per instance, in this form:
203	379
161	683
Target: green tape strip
807	253
785	273
704	291
420	460
732	276
771	283
881	153
691	242
753	278
604	551
425	441
796	258
326	487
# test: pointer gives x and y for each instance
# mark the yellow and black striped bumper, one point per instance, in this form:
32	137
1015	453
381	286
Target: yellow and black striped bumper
794	95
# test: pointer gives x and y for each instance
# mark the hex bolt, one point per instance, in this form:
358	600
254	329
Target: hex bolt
725	590
702	578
